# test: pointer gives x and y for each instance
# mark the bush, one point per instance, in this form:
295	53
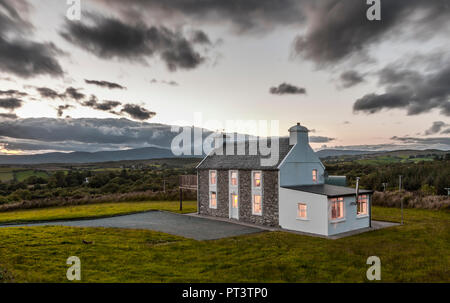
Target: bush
410	200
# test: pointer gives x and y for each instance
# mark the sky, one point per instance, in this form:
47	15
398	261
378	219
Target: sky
115	78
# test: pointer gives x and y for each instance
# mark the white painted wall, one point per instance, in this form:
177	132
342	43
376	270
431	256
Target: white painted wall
350	222
317	220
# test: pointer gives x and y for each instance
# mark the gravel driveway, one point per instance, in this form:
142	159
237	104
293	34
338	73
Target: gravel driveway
171	223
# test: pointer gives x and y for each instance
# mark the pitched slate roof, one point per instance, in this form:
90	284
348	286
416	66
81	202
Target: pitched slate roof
247	161
331	191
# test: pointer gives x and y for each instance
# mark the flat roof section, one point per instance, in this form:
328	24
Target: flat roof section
331	191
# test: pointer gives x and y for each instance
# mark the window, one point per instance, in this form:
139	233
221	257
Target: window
363	201
213	200
212	177
301	211
257	179
257	204
234	178
337	208
234	200
314	175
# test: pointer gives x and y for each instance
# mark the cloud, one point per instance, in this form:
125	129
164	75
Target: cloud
10	103
337	29
137	112
74	93
12	93
414	90
111	38
244	16
320	139
436	128
62	108
171	82
86	134
351	78
20	56
103	106
46	92
8	116
424	141
286	88
110	85
200	37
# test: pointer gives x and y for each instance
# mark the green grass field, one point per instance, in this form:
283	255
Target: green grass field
24	174
415	252
93	211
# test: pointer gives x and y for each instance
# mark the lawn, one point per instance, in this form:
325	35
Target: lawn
415	252
93	211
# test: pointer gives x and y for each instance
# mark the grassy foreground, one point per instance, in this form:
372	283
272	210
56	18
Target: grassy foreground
93	211
415	252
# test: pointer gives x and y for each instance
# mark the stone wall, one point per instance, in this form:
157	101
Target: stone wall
222	194
269	215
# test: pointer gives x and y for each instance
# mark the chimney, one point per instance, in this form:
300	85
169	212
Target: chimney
298	135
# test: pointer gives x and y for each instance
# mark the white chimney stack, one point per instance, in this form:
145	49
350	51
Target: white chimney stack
298	135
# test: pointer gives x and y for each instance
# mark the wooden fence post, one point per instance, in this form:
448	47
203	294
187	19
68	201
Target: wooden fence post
181	199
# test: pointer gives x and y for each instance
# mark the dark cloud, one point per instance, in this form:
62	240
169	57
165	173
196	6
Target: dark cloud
200	37
244	16
12	93
286	88
110	85
74	93
103	106
426	141
337	29
111	38
351	78
436	128
18	55
62	108
46	92
8	116
137	112
28	59
320	139
87	134
416	91
10	103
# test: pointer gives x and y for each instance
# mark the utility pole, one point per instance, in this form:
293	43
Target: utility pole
400	189
164	185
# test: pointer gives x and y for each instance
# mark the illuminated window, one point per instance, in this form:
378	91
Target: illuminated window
337	208
301	211
256	179
257	204
234	200
213	200
212	177
234	178
363	201
314	175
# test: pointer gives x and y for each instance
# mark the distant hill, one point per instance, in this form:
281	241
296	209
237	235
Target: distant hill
86	157
324	153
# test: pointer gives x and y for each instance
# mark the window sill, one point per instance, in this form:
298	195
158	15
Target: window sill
337	220
213	207
362	216
256	214
302	219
